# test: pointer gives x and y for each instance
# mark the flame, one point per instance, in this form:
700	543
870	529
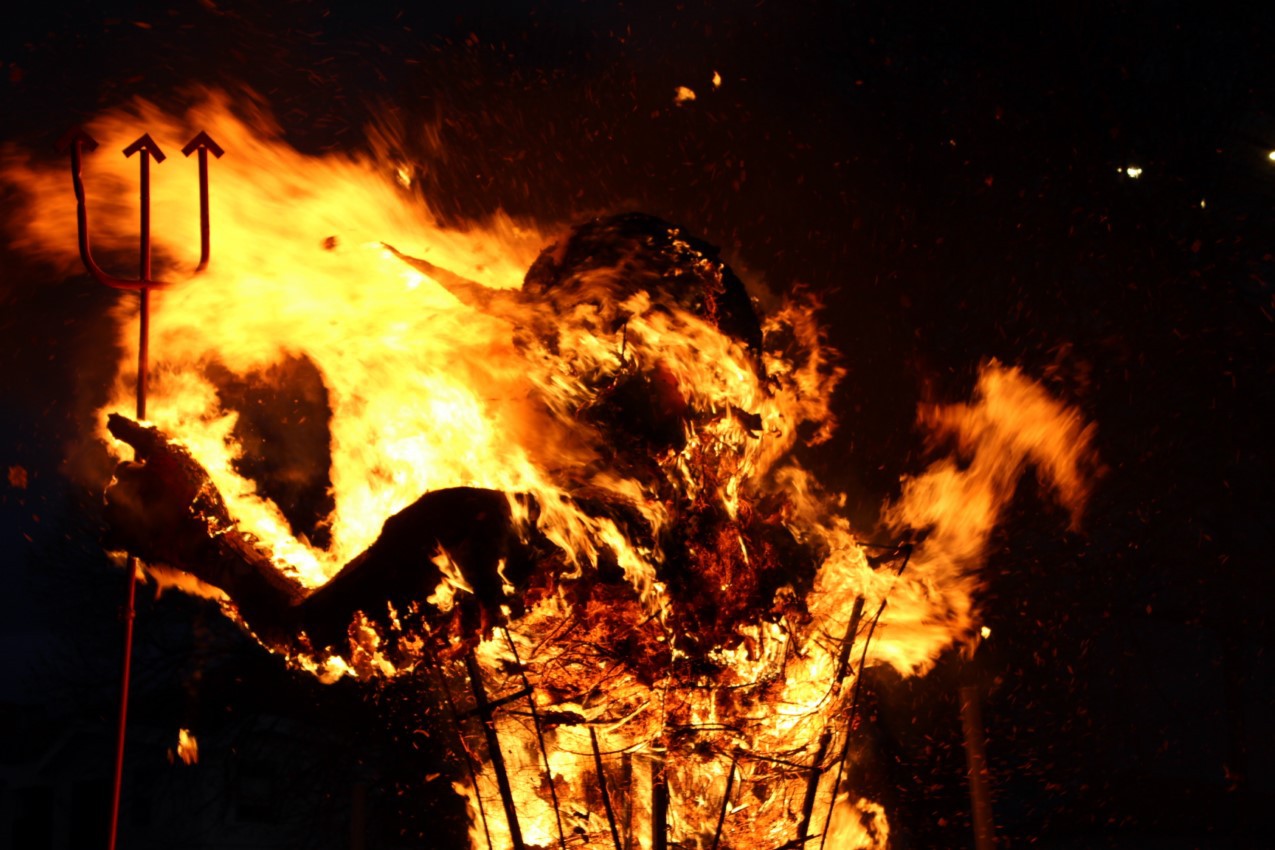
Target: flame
859	825
958	501
428	390
187	747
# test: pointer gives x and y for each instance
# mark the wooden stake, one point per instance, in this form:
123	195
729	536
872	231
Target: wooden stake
493	749
976	764
602	786
659	805
721	818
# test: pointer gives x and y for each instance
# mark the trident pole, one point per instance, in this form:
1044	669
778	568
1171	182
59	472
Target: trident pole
79	141
146	148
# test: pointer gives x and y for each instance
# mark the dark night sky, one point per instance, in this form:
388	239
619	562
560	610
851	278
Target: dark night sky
948	180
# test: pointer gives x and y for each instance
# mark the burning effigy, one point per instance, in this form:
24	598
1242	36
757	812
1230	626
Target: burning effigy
560	471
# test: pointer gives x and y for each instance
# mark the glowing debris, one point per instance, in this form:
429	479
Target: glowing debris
1133	172
985	632
683	95
187	746
717	84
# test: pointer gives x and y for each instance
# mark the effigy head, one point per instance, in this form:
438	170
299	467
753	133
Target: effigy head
619	255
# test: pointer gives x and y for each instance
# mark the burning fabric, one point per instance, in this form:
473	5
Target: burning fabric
574	488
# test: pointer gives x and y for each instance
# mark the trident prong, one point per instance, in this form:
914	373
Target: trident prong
203	143
147	148
78	141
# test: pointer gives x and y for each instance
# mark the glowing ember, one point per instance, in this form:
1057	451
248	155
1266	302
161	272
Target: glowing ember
685	651
187	748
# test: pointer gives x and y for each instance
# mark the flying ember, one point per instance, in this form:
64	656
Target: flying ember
554	465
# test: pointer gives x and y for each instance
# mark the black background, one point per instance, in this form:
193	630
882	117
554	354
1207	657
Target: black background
947	179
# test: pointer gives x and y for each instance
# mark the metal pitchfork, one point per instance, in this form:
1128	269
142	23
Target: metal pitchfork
79	141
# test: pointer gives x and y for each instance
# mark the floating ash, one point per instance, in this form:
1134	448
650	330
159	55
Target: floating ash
561	478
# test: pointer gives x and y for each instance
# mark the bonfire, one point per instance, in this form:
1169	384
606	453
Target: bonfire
557	468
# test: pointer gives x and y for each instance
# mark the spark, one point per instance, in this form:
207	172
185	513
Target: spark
717	84
683	95
985	632
1134	172
187	747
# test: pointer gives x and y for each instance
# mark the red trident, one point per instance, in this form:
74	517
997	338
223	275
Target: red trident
79	141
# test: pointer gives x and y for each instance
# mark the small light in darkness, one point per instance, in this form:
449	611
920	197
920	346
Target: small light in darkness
1133	171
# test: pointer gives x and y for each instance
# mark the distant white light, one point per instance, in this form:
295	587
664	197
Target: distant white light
1202	203
1133	171
1271	156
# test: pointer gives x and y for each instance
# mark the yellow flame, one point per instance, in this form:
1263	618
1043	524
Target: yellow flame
858	825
